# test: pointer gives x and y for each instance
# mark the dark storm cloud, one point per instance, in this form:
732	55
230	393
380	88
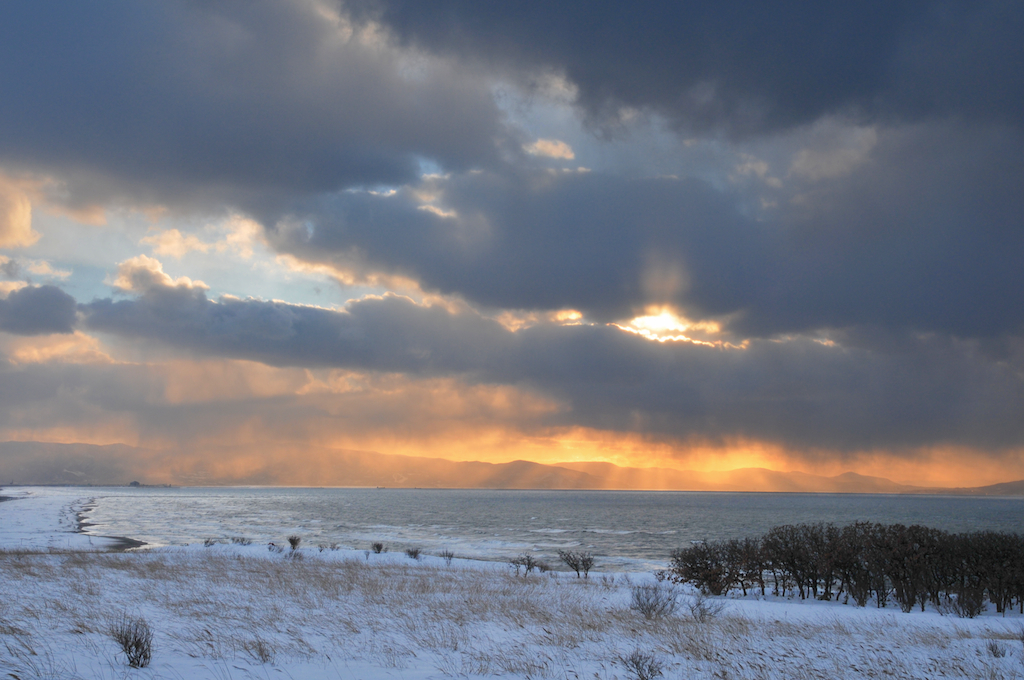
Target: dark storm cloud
805	394
387	334
159	101
801	393
745	66
520	240
37	310
923	235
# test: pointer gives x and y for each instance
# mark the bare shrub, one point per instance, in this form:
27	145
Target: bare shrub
703	608
378	547
968	603
241	540
135	637
294	541
996	649
413	553
580	562
447	556
321	547
526	562
642	665
653	600
209	542
260	650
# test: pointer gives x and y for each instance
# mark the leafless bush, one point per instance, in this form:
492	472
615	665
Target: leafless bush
135	638
968	603
321	547
378	547
996	649
642	665
294	541
413	553
703	608
653	600
447	556
209	542
526	562
260	650
578	561
241	540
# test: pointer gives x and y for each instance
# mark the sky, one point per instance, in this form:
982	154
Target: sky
691	235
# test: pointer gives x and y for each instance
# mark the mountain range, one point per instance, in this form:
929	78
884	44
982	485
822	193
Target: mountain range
87	464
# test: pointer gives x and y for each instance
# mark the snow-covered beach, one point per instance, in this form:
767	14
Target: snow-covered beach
231	610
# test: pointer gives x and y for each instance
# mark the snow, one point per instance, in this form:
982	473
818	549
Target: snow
247	611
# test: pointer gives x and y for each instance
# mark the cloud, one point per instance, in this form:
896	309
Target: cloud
800	233
746	67
172	242
551	148
15	216
37	310
142	274
198	103
847	395
908	228
519	240
390	333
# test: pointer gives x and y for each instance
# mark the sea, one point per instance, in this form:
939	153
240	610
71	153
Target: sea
627	531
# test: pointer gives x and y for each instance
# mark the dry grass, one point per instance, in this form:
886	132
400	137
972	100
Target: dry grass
266	610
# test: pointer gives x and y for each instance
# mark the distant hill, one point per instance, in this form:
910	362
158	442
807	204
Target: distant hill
744	479
51	463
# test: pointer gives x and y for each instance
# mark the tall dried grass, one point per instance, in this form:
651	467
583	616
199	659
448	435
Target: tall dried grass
217	607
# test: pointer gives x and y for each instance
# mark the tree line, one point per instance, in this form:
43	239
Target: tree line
911	565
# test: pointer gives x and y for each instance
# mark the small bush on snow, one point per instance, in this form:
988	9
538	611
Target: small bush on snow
703	608
997	650
642	665
135	637
526	562
653	600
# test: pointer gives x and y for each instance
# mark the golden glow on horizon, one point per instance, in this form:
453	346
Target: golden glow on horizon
268	410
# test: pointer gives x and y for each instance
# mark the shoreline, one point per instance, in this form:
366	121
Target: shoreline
119	543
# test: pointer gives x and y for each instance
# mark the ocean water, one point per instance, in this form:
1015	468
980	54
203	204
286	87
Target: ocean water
626	530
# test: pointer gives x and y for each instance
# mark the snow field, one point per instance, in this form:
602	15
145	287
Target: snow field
233	611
